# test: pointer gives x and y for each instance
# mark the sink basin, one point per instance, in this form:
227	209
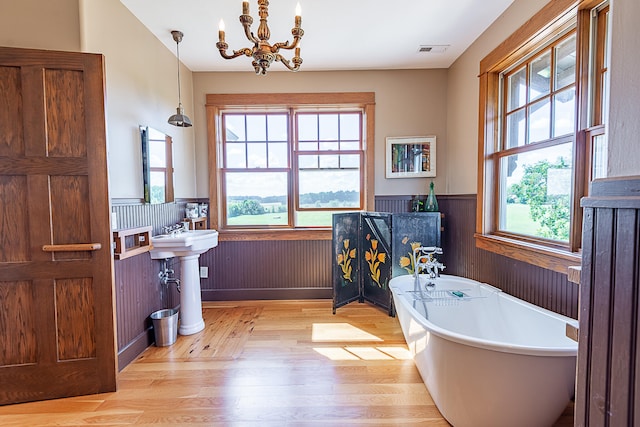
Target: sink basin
193	242
187	246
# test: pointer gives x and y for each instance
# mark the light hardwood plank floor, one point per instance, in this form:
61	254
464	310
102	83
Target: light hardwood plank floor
263	363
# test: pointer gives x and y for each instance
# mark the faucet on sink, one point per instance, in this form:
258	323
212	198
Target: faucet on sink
176	228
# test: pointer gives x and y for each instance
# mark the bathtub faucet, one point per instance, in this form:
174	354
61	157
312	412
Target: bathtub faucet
425	261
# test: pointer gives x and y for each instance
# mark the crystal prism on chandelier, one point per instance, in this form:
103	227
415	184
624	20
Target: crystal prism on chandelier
262	52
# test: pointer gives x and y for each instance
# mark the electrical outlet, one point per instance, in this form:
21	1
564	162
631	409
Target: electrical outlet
204	272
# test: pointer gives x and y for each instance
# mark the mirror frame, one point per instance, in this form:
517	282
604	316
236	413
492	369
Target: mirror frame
147	168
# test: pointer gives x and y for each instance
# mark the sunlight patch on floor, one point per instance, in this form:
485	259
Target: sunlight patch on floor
364	353
398	353
328	332
336	353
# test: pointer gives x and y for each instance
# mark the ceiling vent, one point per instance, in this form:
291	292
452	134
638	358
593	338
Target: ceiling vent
433	48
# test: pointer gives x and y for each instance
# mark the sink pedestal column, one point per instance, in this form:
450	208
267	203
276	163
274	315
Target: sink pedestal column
190	298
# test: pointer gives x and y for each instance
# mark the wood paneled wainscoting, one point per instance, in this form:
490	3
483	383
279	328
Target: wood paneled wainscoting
302	269
290	269
138	289
608	390
536	285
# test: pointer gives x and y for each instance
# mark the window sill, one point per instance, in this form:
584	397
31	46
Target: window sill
549	258
271	234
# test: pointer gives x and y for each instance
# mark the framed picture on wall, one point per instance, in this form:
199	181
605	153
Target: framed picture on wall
411	157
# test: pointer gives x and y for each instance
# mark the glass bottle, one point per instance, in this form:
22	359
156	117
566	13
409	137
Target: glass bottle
431	205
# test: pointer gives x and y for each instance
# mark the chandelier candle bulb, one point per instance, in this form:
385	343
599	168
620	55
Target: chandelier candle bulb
245	7
221	30
298	20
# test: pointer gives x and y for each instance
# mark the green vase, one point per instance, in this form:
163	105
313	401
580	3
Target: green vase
431	205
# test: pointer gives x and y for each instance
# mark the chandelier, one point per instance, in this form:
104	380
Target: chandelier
262	52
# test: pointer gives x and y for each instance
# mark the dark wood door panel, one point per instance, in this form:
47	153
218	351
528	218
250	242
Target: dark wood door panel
56	302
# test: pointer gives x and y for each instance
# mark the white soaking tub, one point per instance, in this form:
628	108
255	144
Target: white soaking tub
487	358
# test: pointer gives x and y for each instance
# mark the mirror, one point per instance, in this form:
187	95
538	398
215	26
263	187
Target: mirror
157	165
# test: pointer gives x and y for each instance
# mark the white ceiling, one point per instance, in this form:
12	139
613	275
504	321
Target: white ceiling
338	34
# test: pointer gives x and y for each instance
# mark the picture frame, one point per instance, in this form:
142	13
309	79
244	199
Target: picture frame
410	157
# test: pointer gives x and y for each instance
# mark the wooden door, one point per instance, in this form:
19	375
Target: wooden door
56	270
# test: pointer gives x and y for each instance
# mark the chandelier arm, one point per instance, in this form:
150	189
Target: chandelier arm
296	62
297	33
222	47
246	21
277	46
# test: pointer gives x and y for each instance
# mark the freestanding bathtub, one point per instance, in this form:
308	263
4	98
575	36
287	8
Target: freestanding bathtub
487	358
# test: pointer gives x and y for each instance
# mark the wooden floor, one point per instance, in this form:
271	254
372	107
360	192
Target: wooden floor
284	363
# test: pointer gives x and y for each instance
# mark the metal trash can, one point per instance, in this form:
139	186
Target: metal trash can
165	326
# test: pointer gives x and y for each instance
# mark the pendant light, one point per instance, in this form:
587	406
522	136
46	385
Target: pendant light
179	119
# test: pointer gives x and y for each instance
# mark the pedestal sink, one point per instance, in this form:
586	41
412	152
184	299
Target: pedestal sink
187	245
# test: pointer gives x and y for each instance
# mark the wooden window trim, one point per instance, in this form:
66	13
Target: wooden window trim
550	20
215	103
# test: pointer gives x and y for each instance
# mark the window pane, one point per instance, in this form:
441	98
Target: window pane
157	187
539	121
540	77
329	189
331	162
328	124
536	192
236	155
350	126
308	146
564	110
605	98
308	162
565	73
517	89
256	155
234	125
350	161
157	153
516	127
307	127
256	198
314	218
278	155
599	162
256	128
350	145
329	146
277	127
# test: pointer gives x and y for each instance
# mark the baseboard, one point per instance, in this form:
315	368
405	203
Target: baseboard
265	294
135	348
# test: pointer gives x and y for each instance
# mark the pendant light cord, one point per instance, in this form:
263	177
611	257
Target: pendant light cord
178	58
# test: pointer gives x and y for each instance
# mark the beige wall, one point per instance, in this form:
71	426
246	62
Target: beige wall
624	113
37	24
141	78
142	89
463	97
462	101
408	103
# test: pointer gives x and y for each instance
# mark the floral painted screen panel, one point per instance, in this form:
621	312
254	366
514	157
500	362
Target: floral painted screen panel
411	230
375	240
345	259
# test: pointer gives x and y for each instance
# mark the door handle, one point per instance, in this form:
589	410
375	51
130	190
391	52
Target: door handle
73	247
